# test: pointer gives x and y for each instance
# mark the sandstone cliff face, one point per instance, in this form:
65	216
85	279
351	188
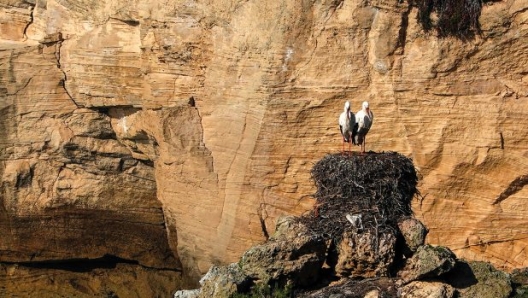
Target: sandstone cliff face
100	146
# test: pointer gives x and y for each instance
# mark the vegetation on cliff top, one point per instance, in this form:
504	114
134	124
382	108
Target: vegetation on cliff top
450	17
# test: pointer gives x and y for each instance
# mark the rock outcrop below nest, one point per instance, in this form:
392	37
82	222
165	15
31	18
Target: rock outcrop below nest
363	241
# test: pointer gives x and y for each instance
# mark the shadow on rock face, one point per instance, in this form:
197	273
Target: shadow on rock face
462	276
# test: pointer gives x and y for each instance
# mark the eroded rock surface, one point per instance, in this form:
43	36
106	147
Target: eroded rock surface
73	191
413	232
294	254
365	255
428	262
223	281
84	279
479	279
268	80
423	289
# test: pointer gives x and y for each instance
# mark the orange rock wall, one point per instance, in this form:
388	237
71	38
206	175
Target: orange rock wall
269	79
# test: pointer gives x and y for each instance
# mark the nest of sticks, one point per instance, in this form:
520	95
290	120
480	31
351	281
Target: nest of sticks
377	187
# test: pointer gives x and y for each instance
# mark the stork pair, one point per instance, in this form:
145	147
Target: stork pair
354	127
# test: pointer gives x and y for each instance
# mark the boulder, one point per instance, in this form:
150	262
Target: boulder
519	280
413	232
373	294
187	293
520	276
378	287
223	281
292	254
428	261
423	289
520	292
479	279
220	281
365	254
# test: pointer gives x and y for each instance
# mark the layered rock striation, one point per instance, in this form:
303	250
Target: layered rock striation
186	128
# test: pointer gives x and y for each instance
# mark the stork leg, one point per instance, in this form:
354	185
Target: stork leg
343	136
350	144
363	144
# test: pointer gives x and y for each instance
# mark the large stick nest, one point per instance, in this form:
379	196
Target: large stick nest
377	186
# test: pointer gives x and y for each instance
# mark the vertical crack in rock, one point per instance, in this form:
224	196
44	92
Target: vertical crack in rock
56	181
56	40
24	178
192	103
59	66
32	10
402	34
260	211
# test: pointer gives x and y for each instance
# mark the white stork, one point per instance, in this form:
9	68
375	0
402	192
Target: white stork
364	118
347	121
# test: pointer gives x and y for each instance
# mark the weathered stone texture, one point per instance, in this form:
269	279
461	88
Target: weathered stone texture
479	279
413	232
293	255
365	255
269	79
94	280
427	262
423	289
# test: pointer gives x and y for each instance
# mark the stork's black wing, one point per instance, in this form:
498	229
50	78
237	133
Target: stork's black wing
354	133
